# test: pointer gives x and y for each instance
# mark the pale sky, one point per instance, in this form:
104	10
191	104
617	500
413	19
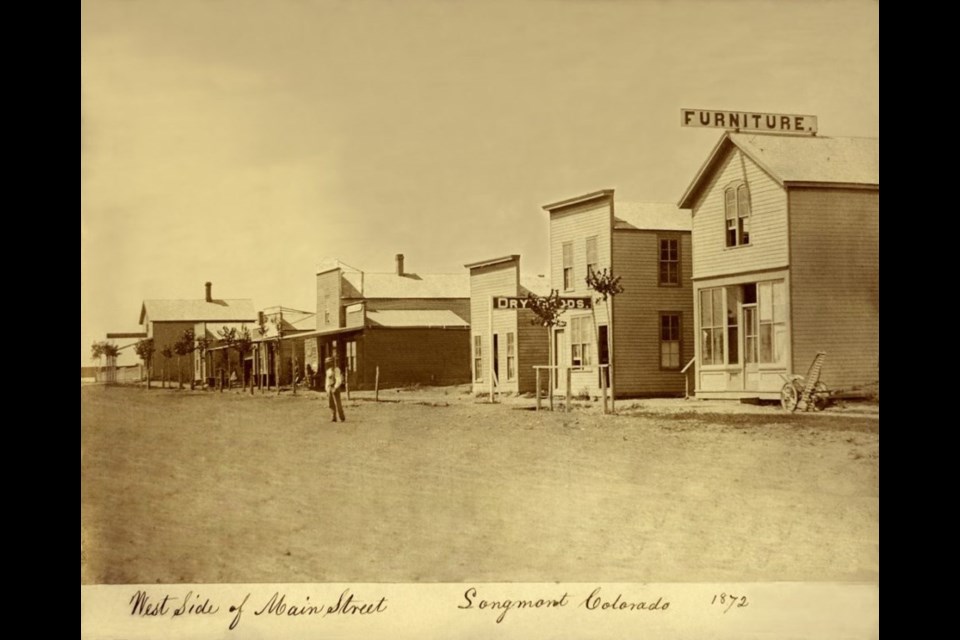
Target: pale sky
243	141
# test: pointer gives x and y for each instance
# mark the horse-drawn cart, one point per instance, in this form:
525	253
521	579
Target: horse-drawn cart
805	392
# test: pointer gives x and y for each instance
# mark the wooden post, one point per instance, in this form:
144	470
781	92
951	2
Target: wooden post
569	385
376	385
293	367
490	344
537	369
550	386
603	386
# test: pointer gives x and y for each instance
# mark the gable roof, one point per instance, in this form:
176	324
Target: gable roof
791	159
660	216
539	285
409	285
240	310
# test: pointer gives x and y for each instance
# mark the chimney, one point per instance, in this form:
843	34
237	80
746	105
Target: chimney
209	286
399	264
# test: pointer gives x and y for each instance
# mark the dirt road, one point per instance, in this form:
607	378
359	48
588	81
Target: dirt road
207	487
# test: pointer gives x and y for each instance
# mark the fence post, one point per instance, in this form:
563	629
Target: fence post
537	369
569	387
603	386
376	386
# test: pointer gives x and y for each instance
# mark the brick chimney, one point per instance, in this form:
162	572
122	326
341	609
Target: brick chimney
399	264
209	287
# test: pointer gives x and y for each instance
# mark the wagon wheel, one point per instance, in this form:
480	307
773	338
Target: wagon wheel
789	397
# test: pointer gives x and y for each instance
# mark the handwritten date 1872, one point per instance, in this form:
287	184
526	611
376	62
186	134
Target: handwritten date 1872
729	601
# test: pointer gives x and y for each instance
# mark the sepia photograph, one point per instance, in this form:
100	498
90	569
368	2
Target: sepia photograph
472	293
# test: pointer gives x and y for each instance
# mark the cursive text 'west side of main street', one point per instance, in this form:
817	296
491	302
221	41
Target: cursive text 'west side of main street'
279	604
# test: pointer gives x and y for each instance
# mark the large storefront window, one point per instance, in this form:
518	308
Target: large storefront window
754	318
581	341
712	324
772	322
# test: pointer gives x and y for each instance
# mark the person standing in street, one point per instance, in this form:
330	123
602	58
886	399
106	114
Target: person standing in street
333	383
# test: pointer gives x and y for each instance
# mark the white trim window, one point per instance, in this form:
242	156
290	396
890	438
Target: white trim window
477	358
511	356
593	260
581	341
772	315
736	213
568	266
713	323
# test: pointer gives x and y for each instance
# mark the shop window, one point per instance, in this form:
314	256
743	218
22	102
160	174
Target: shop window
581	332
477	358
593	261
772	322
669	261
352	356
511	357
669	340
712	326
567	266
736	209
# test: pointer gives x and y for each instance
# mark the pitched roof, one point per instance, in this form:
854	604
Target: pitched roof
409	285
198	310
415	318
791	159
661	216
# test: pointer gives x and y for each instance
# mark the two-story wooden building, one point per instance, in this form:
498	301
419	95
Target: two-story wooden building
504	341
166	321
413	327
786	242
645	333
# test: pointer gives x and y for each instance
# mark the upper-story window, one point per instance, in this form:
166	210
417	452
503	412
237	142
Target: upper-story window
736	209
669	261
593	263
568	266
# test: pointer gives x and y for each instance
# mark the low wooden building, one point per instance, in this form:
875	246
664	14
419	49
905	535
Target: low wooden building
786	246
505	345
644	334
412	328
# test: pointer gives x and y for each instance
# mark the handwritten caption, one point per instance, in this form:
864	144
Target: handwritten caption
347	604
191	605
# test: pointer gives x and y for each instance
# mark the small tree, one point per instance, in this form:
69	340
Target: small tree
183	347
264	330
607	286
547	310
167	353
241	342
96	353
145	350
111	352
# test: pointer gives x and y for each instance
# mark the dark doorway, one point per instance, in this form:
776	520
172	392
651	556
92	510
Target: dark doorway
496	360
603	354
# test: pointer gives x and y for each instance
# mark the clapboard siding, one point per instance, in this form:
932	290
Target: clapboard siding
575	225
835	276
636	321
768	223
496	280
533	349
166	334
328	300
416	356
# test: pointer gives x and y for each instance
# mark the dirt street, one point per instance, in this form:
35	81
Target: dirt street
436	486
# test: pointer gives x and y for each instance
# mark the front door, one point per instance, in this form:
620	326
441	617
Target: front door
603	355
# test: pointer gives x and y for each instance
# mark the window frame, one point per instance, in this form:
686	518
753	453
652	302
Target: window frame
594	265
678	341
568	278
676	262
737	211
511	356
581	341
477	358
